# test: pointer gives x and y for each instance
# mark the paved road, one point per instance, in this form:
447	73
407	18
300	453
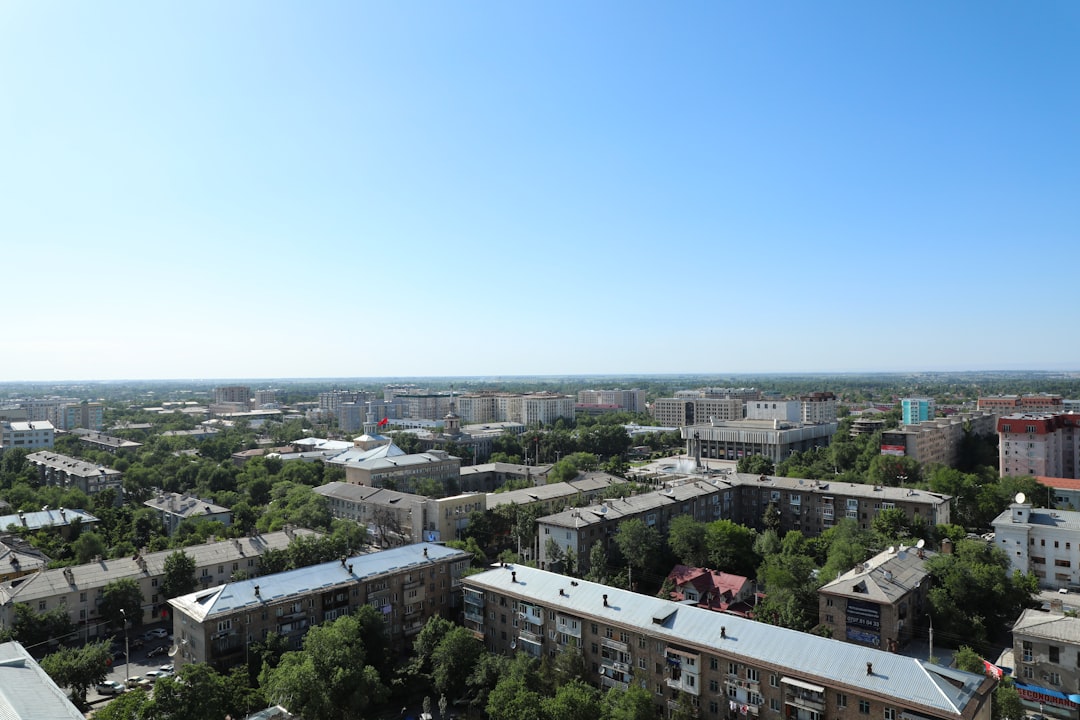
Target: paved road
139	665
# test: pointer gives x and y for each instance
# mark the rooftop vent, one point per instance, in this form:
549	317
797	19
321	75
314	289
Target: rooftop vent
605	601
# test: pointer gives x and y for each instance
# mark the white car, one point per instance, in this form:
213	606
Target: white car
156	633
167	669
110	687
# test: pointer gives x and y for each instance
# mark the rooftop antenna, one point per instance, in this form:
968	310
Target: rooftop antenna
1020	498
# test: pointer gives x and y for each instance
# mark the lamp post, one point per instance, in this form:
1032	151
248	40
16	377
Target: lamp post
127	649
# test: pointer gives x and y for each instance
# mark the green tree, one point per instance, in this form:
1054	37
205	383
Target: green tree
731	547
484	677
429	637
638	544
79	669
453	660
33	628
570	665
574	700
200	692
756	465
598	564
179	576
87	546
687	539
890	525
965	658
517	694
1006	704
331	678
788	577
123	594
134	705
635	703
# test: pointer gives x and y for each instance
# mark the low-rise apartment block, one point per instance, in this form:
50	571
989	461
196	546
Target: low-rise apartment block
175	508
57	520
408	585
403	472
108	443
68	472
809	506
1008	404
79	588
880	602
395	518
723	665
489	477
1046	647
556	496
27	435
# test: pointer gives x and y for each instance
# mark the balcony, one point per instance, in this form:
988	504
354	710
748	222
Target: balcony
805	700
530	637
612	683
473	615
614	645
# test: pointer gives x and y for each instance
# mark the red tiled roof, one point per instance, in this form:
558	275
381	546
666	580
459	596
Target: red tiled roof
1061	483
717	589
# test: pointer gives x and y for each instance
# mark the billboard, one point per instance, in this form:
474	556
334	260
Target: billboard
893	450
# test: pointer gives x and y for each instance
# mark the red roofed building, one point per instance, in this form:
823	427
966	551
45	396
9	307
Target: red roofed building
710	589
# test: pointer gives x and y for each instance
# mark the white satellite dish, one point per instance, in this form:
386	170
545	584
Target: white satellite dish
921	544
522	615
892	549
173	650
513	644
1020	498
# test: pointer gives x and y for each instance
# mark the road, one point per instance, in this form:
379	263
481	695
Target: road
139	665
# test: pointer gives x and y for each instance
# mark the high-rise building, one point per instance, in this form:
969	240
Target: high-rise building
683	411
628	400
917	410
233	394
1044	444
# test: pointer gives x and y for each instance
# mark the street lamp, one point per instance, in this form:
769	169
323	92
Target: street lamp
127	649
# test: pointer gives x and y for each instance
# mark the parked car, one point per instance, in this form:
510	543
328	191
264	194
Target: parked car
168	669
137	643
159	650
110	687
134	681
156	633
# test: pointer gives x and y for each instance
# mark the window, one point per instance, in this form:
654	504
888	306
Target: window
864	707
714	686
733	668
890	713
713	707
774	704
595	630
1055	654
714	664
752	674
774	680
1028	672
841	700
1055	678
1027	654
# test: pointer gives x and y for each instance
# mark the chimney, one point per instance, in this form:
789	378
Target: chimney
946	546
723	632
1057	607
513	576
869	668
256	591
425	552
605	601
562	592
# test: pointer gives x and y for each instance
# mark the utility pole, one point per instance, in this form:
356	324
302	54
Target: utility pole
127	649
931	618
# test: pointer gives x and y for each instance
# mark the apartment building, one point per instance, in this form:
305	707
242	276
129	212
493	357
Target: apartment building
628	400
880	602
809	506
265	397
233	394
527	409
68	472
773	439
18	557
917	410
1046	444
1007	404
783	410
1061	493
937	441
1046	655
174	508
59	520
683	411
28	435
818	407
711	589
723	665
718	392
107	443
79	588
409	585
556	496
1042	541
89	415
489	477
394	518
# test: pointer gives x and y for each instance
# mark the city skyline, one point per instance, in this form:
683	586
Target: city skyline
350	190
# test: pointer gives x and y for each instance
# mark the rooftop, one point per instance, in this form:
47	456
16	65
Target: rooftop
40	519
26	691
886	577
292	583
811	658
1049	626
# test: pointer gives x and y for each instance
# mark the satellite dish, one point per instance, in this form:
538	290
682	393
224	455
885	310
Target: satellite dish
513	644
892	549
921	544
1020	498
173	650
522	615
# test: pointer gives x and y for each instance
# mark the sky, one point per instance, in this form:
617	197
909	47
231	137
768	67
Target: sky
208	189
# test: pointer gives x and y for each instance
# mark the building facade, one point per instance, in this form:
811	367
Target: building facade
28	435
1007	404
1046	648
683	411
773	439
1042	541
723	665
936	441
66	472
628	400
1046	444
79	588
880	602
403	472
408	585
174	508
917	410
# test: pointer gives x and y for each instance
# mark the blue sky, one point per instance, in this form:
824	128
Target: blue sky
287	189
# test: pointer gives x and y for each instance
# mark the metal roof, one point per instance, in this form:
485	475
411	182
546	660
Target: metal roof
39	519
27	692
1049	626
230	597
815	659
